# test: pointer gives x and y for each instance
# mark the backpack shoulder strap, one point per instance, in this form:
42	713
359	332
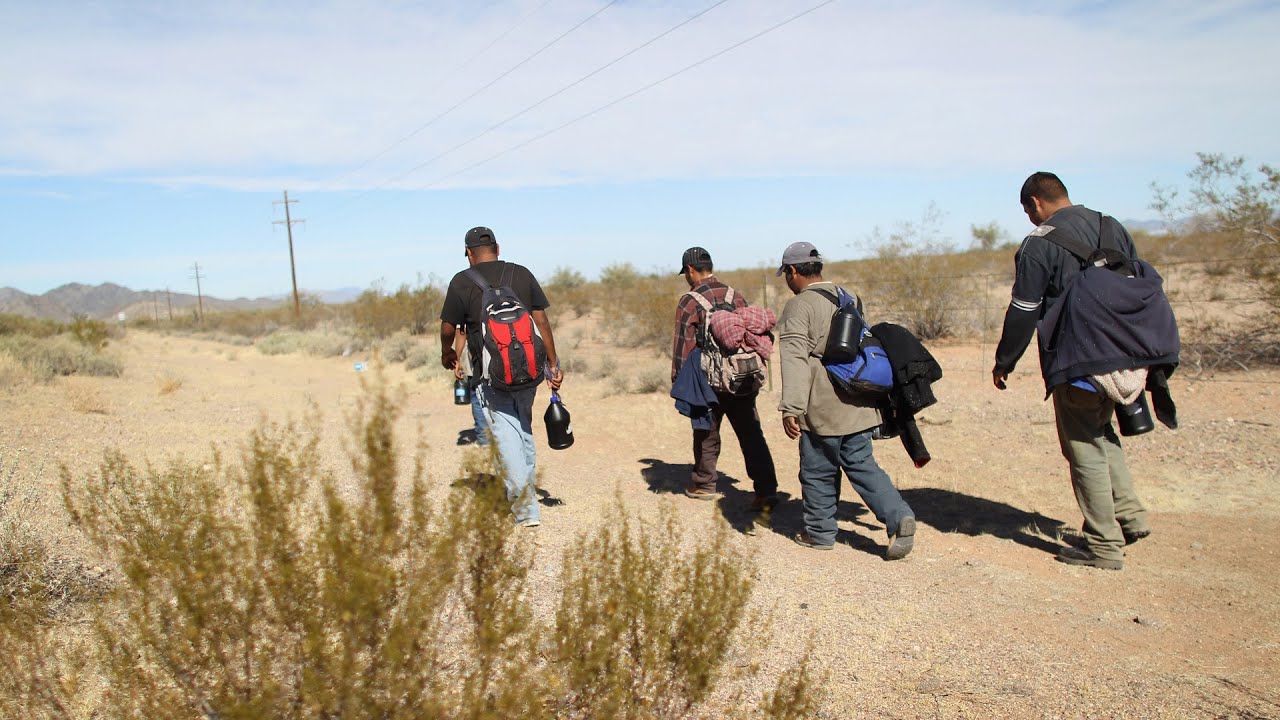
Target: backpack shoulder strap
728	296
1075	246
700	299
477	278
833	297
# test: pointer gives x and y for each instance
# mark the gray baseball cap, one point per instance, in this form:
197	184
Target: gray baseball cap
798	253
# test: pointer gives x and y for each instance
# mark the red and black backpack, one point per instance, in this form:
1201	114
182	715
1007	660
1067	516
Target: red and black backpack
512	355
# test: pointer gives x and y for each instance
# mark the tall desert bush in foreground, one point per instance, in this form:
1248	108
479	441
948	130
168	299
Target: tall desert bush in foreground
273	587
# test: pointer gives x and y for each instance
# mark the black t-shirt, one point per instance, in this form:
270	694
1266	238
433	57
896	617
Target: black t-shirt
462	300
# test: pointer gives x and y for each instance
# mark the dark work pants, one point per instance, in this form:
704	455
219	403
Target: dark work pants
742	415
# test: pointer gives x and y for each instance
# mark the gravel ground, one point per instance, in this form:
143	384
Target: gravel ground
978	622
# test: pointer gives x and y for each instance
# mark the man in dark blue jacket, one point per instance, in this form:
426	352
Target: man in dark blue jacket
1113	515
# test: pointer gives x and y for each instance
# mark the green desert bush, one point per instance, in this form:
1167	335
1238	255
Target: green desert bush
397	347
274	587
638	634
379	314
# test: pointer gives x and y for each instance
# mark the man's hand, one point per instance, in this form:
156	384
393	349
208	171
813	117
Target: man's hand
998	377
449	358
791	426
555	377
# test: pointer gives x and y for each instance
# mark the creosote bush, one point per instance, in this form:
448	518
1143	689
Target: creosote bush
274	587
638	635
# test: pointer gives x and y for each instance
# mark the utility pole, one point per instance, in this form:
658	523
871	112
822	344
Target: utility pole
155	306
293	269
168	298
199	295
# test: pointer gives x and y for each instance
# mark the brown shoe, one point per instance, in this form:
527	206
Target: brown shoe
1076	556
803	540
761	503
703	494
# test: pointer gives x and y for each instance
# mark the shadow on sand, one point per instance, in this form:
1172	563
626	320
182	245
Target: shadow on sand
953	512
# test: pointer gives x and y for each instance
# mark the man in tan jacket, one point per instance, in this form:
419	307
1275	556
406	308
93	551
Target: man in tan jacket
834	428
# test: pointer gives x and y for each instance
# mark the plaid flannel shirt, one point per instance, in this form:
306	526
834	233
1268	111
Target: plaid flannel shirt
690	317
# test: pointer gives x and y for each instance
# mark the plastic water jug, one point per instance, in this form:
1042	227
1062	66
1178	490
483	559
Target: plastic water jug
461	392
559	430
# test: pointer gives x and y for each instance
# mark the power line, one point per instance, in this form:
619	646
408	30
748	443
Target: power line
559	92
447	73
293	268
630	95
488	85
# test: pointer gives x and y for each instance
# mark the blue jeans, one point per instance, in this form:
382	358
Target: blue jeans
821	459
510	418
477	417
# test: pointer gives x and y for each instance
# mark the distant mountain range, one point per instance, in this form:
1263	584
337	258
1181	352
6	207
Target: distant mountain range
108	300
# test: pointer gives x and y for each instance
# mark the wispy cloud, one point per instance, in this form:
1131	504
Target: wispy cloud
249	97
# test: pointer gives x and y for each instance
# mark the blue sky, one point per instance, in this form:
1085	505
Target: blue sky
137	137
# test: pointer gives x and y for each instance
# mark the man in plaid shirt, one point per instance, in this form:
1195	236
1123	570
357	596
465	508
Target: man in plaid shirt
696	267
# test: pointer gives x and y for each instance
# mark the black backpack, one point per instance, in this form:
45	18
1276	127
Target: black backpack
512	355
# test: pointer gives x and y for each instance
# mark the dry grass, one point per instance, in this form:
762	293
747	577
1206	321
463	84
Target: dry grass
85	398
168	383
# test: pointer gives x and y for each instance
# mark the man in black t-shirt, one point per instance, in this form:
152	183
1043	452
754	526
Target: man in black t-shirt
509	413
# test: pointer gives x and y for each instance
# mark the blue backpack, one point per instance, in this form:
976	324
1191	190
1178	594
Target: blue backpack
866	370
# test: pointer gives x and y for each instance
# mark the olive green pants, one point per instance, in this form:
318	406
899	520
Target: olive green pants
1099	475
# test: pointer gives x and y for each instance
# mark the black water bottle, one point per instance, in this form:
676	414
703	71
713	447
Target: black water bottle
1135	418
845	335
461	392
559	430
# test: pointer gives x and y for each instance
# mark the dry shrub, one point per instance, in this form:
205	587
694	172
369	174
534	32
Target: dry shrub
13	373
652	380
317	343
397	347
51	356
379	314
42	666
275	588
167	383
419	356
86	399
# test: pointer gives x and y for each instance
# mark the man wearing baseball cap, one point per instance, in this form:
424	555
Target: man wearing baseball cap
833	427
691	319
509	413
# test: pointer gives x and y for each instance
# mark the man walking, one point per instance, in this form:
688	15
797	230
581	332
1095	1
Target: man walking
691	319
508	413
833	427
1113	515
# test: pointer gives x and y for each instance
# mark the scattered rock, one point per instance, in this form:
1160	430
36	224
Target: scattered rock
1148	621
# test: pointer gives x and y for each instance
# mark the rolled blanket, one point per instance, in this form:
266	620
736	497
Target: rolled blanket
1122	386
745	327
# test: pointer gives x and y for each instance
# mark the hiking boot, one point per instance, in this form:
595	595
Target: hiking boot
1078	540
1133	537
761	503
803	540
901	542
703	494
1075	556
529	523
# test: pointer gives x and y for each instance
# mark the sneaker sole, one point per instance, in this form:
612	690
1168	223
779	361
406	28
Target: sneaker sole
1098	563
900	544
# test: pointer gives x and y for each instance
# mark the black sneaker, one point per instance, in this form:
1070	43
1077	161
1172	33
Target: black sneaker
901	542
1133	537
1075	556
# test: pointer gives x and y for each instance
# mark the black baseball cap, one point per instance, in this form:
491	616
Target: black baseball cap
693	256
478	236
